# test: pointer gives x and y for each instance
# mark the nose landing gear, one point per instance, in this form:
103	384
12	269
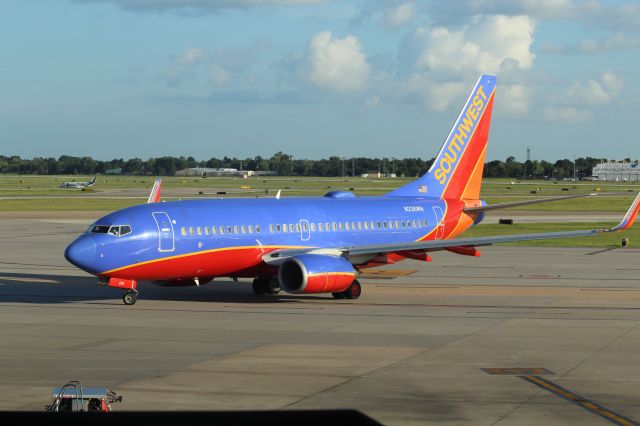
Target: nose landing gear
130	297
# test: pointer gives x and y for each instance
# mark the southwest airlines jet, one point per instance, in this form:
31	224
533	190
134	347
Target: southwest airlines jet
308	244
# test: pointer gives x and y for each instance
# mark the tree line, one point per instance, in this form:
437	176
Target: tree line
286	165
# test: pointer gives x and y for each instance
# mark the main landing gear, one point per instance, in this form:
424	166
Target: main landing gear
353	292
265	285
130	297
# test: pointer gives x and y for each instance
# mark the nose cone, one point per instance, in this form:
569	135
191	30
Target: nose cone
82	253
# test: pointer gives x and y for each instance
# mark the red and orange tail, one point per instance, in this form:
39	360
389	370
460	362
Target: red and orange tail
457	170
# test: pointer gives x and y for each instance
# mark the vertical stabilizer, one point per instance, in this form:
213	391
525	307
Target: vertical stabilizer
456	172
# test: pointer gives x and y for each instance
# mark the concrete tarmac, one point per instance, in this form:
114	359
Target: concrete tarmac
410	351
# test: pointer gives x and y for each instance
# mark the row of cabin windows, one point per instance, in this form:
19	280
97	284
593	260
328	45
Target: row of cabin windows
303	227
222	230
347	226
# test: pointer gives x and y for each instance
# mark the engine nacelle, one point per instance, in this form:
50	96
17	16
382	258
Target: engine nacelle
316	273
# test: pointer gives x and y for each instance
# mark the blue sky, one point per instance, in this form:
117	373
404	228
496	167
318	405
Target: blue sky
314	78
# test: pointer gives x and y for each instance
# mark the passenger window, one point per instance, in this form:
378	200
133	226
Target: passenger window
321	227
235	229
346	226
183	231
366	225
222	230
206	230
291	227
415	223
297	227
327	226
397	224
284	227
425	223
229	230
258	229
199	230
313	227
125	229
340	226
192	231
271	228
305	227
379	225
385	224
334	226
243	229
251	229
359	225
353	226
214	230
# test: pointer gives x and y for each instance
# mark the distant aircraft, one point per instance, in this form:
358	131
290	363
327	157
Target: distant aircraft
309	244
78	184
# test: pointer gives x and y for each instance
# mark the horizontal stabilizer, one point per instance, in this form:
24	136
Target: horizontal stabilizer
521	203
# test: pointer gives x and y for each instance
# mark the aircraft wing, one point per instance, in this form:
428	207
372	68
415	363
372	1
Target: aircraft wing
278	256
522	203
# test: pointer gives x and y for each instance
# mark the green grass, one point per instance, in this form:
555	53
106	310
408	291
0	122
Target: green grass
601	240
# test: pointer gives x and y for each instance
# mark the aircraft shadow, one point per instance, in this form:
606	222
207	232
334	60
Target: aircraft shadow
52	288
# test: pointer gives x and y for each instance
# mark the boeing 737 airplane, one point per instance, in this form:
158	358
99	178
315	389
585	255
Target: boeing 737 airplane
308	244
78	184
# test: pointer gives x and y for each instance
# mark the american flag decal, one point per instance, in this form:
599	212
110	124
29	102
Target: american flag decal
423	188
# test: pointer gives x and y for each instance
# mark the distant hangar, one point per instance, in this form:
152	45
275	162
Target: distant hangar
617	171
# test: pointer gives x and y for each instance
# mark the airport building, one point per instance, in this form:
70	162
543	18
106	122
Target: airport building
617	171
206	171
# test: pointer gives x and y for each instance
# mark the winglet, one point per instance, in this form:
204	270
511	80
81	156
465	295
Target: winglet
278	194
628	218
154	197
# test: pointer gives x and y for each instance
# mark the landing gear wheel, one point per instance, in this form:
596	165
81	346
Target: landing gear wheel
260	286
273	286
130	297
354	291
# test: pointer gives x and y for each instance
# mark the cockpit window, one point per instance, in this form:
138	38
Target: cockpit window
125	229
100	229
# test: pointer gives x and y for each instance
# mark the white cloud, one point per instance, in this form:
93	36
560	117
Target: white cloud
183	62
372	102
337	64
481	47
514	99
219	75
400	15
565	114
593	93
610	43
200	5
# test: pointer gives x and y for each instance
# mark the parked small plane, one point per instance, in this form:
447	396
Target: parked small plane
309	244
78	184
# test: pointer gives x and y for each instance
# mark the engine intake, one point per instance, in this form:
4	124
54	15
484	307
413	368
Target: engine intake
316	273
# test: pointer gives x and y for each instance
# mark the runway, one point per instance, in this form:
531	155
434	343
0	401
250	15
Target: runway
411	350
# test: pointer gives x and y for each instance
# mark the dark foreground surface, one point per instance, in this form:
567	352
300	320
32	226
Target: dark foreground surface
411	350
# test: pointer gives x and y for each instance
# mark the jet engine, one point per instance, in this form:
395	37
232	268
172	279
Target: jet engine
316	273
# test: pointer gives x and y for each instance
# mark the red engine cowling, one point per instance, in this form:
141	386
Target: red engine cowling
316	273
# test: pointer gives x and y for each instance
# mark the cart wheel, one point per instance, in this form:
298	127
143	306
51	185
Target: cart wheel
130	298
